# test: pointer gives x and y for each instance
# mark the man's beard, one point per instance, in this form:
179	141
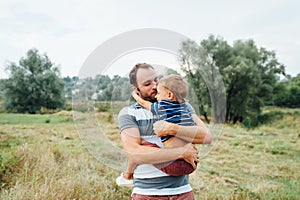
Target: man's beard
148	97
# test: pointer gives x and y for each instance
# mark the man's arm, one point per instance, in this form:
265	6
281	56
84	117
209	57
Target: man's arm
198	134
142	102
140	154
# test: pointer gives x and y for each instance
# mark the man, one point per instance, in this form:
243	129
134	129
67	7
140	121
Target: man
136	125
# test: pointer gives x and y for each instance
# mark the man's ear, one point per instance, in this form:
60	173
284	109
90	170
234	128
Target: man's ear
135	89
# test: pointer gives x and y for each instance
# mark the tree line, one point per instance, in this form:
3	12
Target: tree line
247	76
251	77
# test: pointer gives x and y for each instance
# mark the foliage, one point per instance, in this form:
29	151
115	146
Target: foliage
69	86
287	93
203	77
2	81
32	84
249	75
103	107
263	118
100	88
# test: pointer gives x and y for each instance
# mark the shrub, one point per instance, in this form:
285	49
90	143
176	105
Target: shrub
264	118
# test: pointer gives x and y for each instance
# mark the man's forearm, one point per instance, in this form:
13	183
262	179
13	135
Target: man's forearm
198	134
193	134
141	154
153	155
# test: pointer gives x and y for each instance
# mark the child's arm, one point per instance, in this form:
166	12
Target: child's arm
142	102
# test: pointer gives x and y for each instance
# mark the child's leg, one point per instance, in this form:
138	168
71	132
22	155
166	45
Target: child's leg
131	166
126	179
129	171
177	167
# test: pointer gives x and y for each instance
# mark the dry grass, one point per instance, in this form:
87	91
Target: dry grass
47	160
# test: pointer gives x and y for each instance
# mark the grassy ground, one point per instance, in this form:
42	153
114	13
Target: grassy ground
42	157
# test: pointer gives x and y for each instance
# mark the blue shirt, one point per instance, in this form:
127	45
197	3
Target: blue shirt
172	111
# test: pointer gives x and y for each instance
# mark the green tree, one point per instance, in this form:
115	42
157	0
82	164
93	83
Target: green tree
32	84
122	89
249	74
103	81
287	93
2	81
69	84
205	81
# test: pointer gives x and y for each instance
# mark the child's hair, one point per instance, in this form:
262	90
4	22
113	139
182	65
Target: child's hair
175	84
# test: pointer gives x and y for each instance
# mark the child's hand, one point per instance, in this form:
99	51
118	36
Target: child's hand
134	95
162	128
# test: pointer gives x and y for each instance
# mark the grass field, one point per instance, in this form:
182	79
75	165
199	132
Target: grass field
43	157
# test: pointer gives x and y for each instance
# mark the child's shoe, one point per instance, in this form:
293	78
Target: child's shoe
122	181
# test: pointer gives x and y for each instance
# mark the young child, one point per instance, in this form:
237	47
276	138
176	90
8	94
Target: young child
171	107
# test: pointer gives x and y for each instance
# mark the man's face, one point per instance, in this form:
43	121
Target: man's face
146	81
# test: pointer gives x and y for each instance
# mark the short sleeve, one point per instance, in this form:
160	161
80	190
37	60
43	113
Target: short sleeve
190	108
154	108
126	120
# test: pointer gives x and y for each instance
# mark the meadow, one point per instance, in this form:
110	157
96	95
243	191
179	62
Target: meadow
43	157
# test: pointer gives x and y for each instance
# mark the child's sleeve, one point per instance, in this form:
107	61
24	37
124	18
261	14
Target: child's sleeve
190	108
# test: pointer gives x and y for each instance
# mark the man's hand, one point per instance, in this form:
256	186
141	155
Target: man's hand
162	128
190	154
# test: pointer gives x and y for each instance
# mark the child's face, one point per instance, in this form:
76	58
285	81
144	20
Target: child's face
162	93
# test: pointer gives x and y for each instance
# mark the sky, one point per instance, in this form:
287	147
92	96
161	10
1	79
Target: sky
68	31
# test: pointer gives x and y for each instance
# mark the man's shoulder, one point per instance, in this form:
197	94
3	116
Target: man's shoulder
132	110
133	116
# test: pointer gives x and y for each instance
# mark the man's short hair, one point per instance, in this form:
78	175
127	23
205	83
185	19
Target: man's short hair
175	84
132	74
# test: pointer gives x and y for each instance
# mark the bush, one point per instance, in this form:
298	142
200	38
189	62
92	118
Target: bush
8	167
103	106
68	107
264	118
